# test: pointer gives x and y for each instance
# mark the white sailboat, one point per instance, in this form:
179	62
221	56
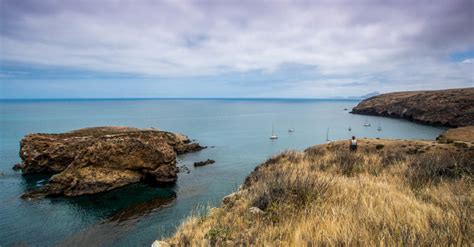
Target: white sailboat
327	136
366	124
273	136
379	128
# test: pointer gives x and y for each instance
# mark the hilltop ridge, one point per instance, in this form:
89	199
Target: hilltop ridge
450	108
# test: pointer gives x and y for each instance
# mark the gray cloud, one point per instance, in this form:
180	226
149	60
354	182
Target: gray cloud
399	43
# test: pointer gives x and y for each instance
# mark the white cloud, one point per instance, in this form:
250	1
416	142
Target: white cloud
404	43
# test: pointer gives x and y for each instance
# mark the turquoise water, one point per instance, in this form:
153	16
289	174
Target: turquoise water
137	214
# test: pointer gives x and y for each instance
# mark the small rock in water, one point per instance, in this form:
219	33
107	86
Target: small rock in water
203	163
17	167
184	168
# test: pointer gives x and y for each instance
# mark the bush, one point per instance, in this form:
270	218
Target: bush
461	144
349	163
283	188
430	169
217	234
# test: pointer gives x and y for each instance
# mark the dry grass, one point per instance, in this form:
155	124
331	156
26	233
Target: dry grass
329	196
463	134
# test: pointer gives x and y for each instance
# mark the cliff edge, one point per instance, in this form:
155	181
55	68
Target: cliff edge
450	108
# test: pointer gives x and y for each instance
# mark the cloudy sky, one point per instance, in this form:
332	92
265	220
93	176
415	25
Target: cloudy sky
303	49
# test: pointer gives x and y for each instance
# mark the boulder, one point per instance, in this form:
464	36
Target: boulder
158	243
17	167
94	160
256	211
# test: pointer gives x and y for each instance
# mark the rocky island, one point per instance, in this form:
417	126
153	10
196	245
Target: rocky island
450	108
93	160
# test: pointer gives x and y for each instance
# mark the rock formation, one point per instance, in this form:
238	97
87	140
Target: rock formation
450	108
203	163
93	160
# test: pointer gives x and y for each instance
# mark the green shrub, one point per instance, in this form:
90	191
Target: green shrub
218	233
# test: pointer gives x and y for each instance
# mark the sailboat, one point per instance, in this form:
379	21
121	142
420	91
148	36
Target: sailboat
350	123
273	136
366	124
327	136
379	128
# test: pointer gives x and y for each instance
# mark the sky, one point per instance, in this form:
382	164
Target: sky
287	49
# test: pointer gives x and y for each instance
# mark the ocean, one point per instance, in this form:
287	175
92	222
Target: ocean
236	131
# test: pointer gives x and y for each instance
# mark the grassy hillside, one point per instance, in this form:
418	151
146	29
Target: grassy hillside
387	193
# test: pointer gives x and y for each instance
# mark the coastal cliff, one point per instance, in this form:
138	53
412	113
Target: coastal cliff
389	192
450	108
94	160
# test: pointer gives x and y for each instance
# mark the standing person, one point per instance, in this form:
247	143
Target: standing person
353	144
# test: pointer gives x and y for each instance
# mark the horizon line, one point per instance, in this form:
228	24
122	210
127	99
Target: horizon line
184	98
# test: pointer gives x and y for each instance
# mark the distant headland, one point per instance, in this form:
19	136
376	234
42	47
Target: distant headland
449	108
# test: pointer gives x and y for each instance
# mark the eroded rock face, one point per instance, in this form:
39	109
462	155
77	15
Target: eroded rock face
450	108
93	160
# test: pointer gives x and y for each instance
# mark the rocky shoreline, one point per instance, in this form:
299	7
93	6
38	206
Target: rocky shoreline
448	108
93	160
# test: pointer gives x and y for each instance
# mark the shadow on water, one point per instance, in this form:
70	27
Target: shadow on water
31	181
106	232
108	203
115	212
